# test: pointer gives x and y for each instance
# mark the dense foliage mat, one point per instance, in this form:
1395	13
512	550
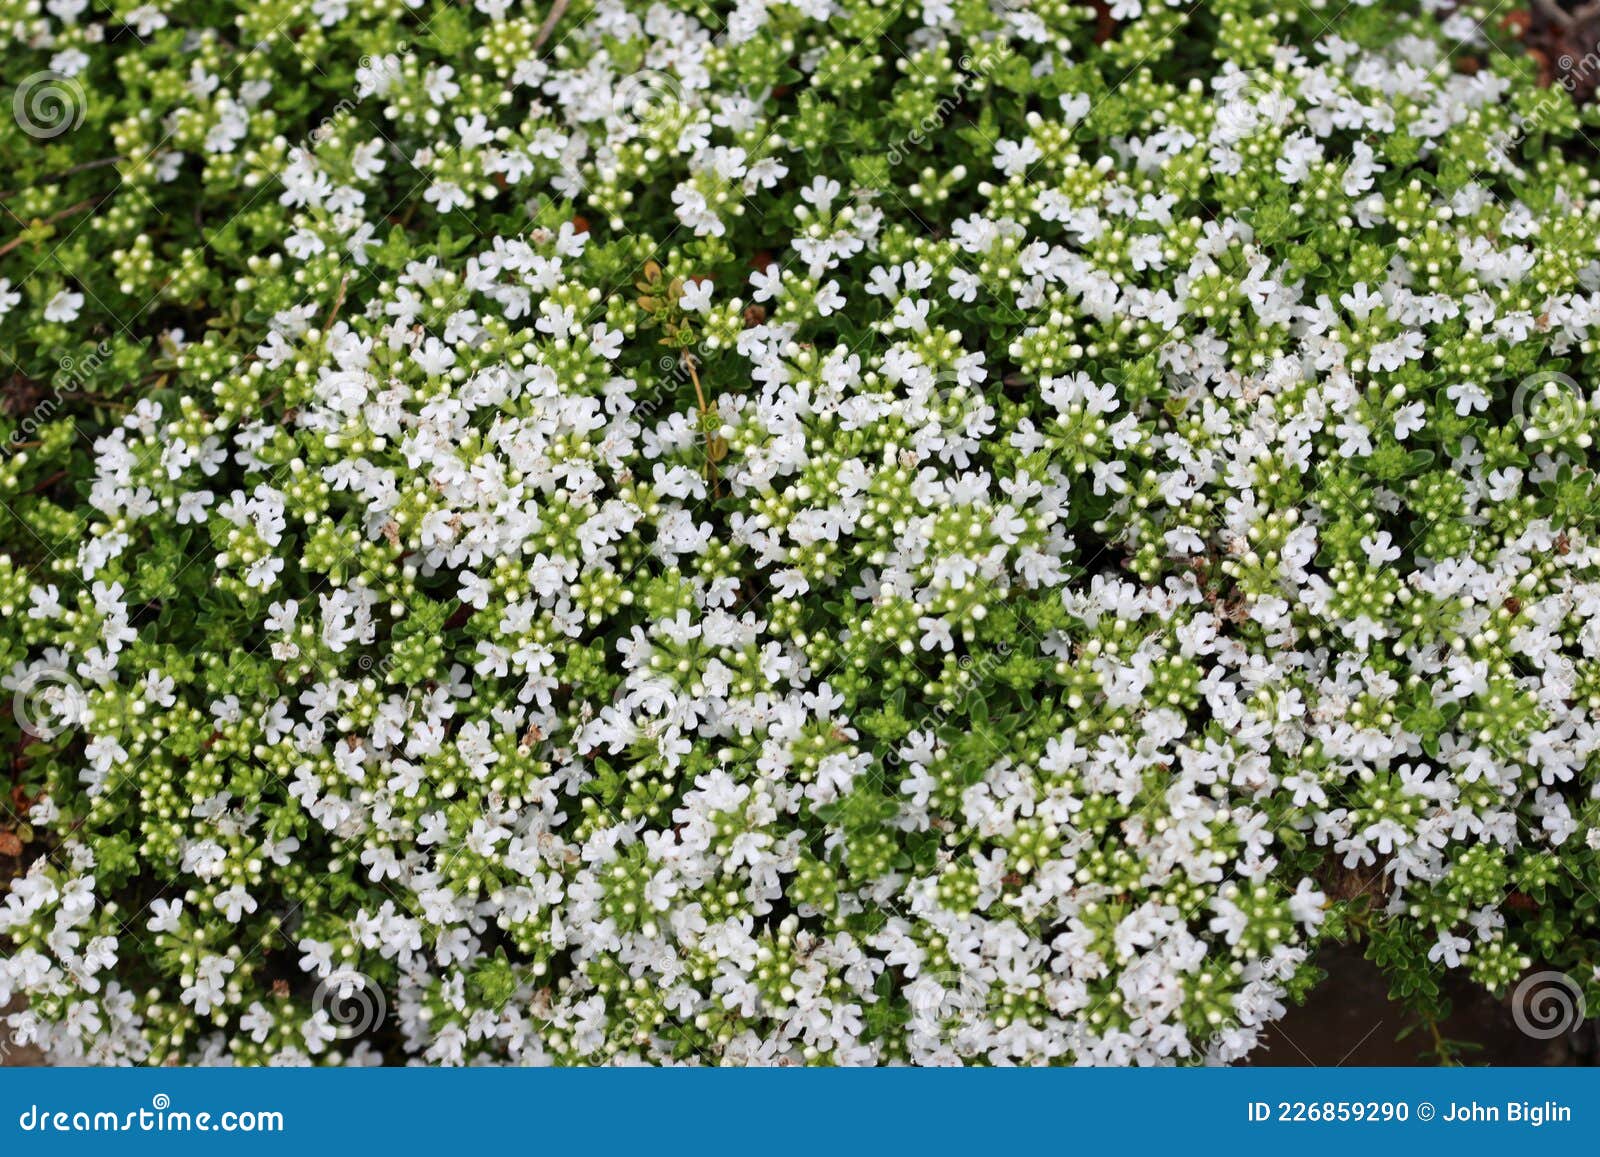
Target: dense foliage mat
843	531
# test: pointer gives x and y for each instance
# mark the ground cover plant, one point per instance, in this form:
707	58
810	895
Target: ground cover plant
832	532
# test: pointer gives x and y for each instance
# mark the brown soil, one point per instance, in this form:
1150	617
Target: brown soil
15	1054
1350	1020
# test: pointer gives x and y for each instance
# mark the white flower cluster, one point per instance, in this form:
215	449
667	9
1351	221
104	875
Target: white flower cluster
1000	619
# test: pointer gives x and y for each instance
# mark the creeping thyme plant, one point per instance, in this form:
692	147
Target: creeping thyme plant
826	531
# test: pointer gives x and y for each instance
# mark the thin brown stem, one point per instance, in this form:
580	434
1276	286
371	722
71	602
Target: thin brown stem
551	19
700	396
338	301
706	411
1554	12
51	220
121	407
52	178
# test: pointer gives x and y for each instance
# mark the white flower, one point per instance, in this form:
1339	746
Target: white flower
696	295
64	306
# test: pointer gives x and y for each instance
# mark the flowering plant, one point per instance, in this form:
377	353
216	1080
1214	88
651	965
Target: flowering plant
829	531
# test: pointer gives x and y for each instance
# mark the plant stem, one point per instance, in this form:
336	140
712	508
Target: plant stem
50	220
687	359
549	25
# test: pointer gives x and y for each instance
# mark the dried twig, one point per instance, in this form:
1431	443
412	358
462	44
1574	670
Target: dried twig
1553	11
52	178
549	25
338	301
51	220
